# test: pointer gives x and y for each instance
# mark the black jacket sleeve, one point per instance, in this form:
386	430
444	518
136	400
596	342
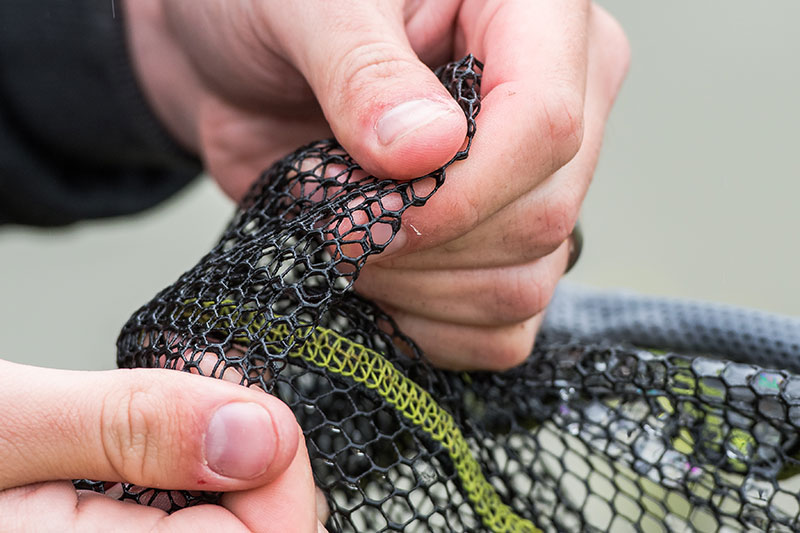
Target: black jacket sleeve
77	137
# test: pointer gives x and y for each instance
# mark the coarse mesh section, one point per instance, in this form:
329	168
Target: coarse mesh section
586	435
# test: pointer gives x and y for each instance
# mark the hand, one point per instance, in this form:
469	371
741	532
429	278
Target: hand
155	428
243	83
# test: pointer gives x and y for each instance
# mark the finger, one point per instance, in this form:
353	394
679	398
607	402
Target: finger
430	27
383	104
539	221
288	503
290	490
479	297
155	428
237	145
57	506
531	116
461	347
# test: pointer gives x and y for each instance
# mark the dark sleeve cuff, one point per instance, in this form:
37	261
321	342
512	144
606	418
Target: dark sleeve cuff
77	137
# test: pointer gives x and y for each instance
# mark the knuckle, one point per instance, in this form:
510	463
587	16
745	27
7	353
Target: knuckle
131	424
362	64
467	211
518	296
562	112
558	218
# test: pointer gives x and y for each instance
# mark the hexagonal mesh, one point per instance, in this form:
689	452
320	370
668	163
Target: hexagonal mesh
584	436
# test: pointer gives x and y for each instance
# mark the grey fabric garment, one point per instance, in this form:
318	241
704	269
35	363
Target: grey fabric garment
686	326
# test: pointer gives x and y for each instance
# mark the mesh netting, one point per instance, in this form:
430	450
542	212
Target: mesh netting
587	435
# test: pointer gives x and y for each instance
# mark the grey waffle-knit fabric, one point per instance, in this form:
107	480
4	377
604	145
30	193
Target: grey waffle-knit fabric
687	326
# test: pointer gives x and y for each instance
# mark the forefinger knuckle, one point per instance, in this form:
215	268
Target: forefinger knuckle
559	214
562	122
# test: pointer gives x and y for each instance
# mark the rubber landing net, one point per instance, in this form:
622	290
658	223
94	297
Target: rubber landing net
604	428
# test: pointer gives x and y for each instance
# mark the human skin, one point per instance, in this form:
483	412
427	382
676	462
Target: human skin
241	83
153	428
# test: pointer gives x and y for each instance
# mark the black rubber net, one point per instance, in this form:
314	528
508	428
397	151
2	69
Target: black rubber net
631	414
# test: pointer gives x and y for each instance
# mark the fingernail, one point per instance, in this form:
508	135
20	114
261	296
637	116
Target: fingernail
321	528
410	116
240	441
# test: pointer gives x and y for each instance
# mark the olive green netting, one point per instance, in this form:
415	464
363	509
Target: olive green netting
581	437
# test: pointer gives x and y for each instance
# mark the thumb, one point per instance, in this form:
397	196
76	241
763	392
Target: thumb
155	428
383	104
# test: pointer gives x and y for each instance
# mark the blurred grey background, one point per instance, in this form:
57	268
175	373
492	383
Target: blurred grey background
695	196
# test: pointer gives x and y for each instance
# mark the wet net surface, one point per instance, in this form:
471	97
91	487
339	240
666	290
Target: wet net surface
587	435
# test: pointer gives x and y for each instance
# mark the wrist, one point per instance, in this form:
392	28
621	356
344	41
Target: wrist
166	78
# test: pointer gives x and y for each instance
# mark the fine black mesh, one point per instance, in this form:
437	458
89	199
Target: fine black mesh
586	435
